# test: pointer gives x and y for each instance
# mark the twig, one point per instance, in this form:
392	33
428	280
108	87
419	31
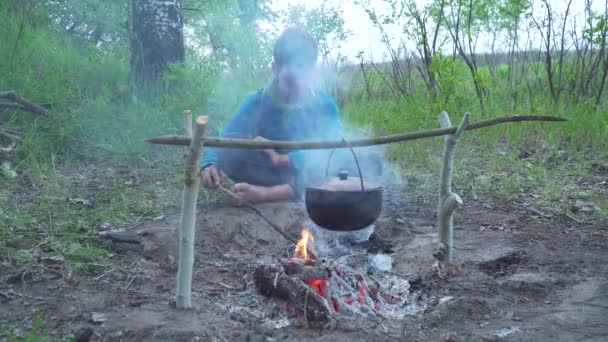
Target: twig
257	211
103	275
225	286
342	281
573	218
311	145
129	284
52	271
309	248
381	315
306	303
134	261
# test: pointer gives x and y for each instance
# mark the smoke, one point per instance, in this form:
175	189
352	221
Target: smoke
339	80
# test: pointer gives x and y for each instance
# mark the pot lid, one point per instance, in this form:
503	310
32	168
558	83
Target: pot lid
344	182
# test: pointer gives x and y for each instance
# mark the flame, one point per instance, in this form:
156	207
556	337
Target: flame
318	285
301	250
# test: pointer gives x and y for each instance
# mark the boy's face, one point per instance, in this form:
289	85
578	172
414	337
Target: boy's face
294	80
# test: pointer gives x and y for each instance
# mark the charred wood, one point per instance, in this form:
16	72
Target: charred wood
271	281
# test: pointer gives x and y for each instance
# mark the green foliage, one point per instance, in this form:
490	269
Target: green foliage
102	23
598	32
229	29
326	24
49	67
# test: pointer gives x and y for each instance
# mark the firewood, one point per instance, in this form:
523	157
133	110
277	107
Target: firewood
305	272
271	281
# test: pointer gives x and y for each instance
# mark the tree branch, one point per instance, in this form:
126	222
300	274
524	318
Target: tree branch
311	145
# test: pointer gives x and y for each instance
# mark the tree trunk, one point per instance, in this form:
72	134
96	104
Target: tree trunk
156	38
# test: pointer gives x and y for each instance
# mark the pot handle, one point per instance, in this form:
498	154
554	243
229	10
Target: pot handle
356	162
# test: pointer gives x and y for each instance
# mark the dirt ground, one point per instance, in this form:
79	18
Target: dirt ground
522	278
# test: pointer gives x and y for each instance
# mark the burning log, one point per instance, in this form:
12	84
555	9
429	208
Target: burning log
448	201
305	272
271	281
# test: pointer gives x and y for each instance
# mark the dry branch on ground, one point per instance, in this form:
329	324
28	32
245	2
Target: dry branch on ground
21	103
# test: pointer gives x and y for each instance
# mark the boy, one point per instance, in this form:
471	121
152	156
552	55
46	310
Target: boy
287	109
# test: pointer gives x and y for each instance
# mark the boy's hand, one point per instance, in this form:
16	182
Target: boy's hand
212	177
277	159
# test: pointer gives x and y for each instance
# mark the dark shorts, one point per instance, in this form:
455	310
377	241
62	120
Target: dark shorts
254	167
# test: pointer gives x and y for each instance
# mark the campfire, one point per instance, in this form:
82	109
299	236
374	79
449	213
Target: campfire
347	285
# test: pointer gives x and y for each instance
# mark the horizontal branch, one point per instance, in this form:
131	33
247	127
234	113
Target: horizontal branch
27	104
311	145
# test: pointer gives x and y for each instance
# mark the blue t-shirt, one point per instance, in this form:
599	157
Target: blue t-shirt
262	114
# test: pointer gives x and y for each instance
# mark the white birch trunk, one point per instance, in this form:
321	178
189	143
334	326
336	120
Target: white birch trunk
188	217
448	201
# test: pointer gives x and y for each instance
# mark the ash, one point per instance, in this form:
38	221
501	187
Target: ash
360	286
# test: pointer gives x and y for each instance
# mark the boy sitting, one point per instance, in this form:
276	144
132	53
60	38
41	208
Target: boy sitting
287	109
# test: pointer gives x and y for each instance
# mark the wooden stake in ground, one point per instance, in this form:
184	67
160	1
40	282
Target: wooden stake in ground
448	201
188	217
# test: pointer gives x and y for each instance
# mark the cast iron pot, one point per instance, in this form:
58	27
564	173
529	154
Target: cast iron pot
344	203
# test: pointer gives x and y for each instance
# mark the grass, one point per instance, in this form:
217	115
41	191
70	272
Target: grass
60	218
37	333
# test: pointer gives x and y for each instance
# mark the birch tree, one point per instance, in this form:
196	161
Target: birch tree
156	38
